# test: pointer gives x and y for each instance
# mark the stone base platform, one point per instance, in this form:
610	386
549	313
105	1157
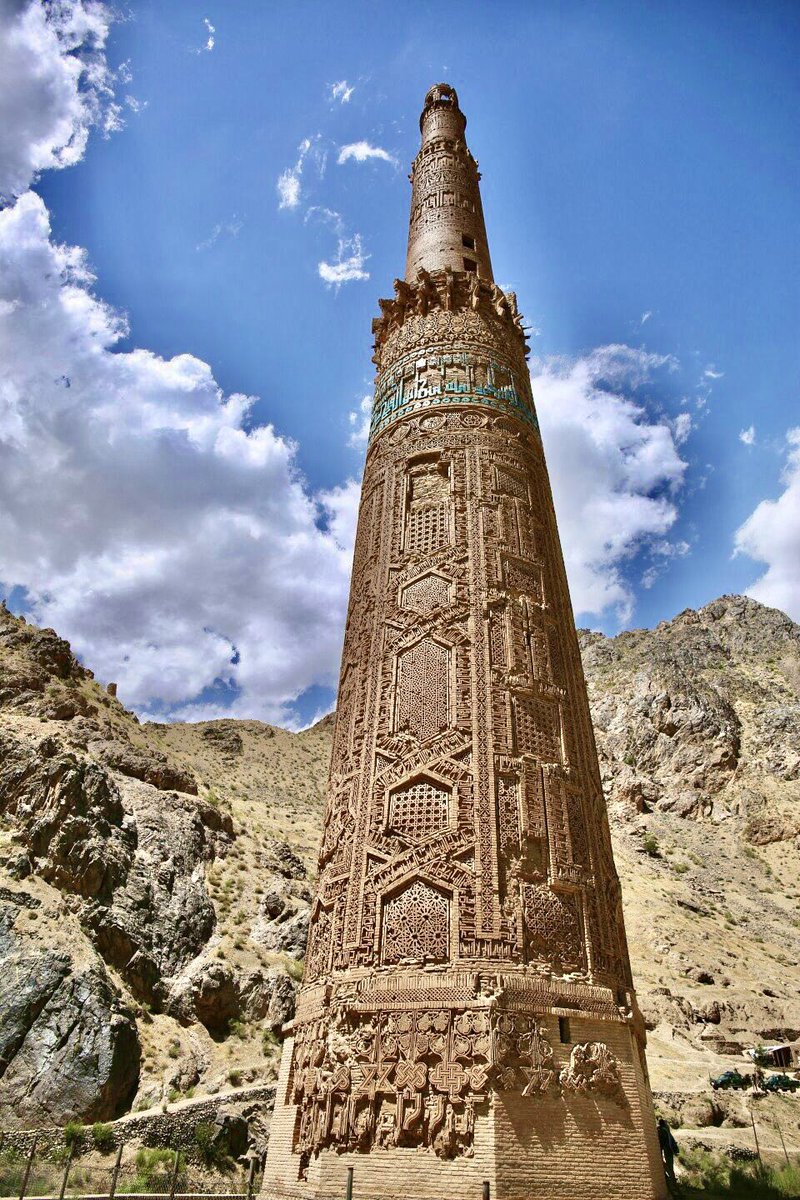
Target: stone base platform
571	1141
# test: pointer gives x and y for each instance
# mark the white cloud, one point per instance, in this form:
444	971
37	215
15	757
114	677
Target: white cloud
662	552
349	263
362	151
288	185
614	469
341	91
645	317
771	535
174	543
230	228
712	373
360	421
55	86
682	426
210	40
748	436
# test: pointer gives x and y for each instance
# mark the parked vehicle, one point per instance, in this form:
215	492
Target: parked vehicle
781	1083
733	1080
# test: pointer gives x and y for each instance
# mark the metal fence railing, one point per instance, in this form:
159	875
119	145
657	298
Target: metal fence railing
61	1175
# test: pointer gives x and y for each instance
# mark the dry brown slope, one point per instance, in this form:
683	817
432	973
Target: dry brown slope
697	725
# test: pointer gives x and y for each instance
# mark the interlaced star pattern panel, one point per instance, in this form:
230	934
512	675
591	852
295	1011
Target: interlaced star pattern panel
467	1013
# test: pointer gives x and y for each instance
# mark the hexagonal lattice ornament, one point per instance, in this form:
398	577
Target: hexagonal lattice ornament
419	809
427	593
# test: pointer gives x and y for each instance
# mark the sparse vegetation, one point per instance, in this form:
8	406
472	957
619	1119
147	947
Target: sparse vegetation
650	845
213	1151
153	1166
74	1134
102	1136
714	1176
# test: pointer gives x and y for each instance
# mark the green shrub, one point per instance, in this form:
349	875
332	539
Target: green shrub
102	1136
74	1135
235	1078
269	1041
213	1151
294	969
650	844
150	1164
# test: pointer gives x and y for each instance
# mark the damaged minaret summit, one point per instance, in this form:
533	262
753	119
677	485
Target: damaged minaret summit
467	1015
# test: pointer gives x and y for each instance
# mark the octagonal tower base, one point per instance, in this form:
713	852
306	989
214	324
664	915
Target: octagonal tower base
565	1112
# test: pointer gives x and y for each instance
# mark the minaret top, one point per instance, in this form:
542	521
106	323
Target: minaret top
440	111
446	231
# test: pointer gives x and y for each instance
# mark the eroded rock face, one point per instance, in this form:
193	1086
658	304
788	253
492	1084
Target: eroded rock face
691	717
137	862
69	813
161	916
69	1048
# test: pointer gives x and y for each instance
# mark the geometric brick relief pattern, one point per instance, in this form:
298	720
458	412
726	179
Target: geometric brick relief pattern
319	944
509	483
524	577
428	528
428	518
497	638
416	925
553	927
508	813
537	728
423	691
426	593
418	810
467	895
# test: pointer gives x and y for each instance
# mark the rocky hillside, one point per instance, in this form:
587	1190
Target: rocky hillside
155	879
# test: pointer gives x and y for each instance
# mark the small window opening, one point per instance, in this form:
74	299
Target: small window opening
467	242
563	1030
470	265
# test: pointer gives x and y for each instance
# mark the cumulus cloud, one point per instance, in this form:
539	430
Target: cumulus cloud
748	436
771	535
360	420
348	265
341	91
615	470
174	543
55	86
362	151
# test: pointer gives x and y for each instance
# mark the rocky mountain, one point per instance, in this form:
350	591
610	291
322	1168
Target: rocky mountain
155	879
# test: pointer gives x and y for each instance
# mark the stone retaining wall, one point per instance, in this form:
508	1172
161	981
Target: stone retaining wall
174	1128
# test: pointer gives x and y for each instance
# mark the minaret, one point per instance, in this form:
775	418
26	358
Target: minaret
467	1014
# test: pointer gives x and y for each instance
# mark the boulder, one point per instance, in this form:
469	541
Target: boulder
69	1048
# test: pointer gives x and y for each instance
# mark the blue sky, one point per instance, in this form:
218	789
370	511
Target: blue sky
640	183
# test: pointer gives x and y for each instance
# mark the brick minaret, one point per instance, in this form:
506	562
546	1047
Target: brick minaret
467	1013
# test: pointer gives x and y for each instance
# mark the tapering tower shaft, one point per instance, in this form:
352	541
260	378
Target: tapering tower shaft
446	229
467	1012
